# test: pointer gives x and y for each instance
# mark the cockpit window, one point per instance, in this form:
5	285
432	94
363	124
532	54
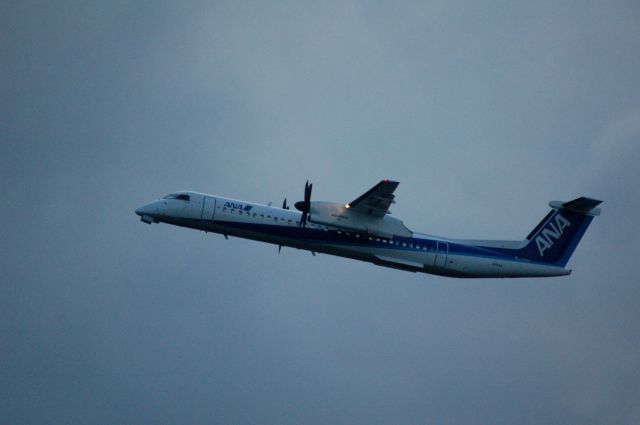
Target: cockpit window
181	197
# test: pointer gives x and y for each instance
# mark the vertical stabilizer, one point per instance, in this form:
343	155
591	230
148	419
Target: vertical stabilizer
555	238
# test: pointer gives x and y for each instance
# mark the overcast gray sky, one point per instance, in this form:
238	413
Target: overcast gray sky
483	112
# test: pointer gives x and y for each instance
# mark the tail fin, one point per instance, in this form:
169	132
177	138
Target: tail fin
555	238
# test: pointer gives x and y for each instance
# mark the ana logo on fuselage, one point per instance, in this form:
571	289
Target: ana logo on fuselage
237	206
551	233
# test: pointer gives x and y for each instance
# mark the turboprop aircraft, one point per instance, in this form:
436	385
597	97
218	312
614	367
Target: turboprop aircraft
364	230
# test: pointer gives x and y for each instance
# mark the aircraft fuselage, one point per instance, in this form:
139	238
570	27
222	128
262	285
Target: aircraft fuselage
410	251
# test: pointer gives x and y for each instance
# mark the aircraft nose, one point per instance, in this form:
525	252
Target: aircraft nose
146	213
140	211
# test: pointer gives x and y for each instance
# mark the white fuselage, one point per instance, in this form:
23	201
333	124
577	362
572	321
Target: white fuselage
408	251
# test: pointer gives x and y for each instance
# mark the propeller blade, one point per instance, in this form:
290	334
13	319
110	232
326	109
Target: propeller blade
305	206
307	191
284	204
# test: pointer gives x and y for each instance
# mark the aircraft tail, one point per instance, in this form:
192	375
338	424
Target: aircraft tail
555	238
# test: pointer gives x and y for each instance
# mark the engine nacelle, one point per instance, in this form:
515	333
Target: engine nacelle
335	214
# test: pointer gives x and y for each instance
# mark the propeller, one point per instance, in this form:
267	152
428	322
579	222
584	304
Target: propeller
305	205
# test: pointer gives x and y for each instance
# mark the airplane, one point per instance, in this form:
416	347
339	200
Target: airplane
364	230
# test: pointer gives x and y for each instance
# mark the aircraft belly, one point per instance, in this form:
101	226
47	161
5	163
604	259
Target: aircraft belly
485	267
413	261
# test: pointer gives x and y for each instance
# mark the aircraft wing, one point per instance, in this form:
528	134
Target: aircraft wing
375	201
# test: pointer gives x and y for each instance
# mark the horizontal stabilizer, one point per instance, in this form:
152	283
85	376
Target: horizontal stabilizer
582	205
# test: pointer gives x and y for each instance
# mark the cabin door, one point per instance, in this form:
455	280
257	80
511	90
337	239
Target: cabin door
441	254
208	208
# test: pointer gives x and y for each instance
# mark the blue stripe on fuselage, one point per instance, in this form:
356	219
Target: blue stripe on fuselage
348	238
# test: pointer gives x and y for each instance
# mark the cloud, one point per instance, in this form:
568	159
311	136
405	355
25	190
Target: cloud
484	113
